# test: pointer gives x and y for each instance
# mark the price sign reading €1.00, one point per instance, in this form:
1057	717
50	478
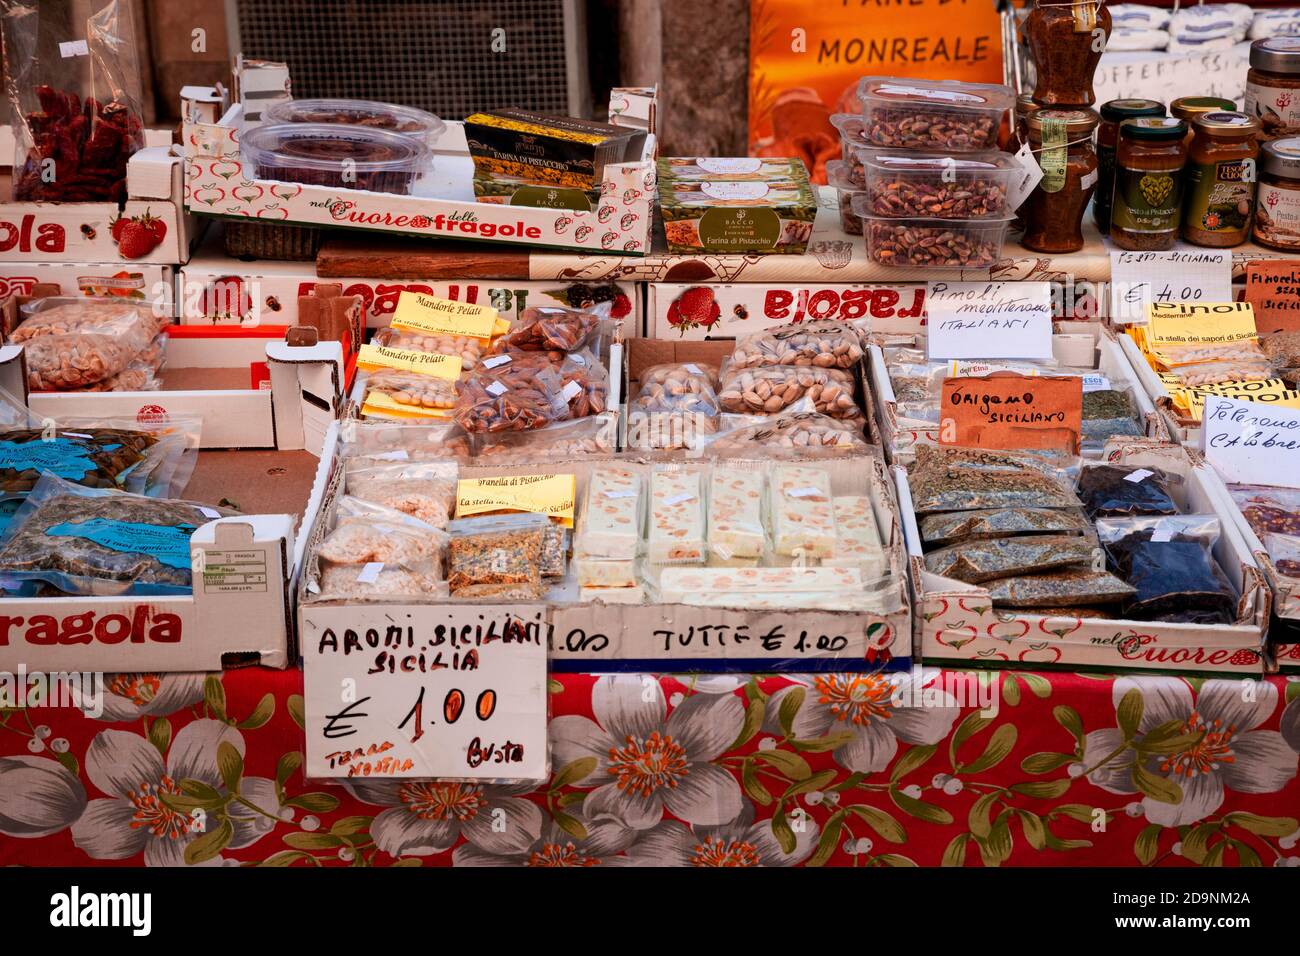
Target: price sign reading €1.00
1012	411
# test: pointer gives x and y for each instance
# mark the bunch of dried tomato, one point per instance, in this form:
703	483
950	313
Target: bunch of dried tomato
89	144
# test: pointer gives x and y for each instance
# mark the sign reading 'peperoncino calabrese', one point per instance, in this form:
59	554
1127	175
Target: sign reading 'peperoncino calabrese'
425	691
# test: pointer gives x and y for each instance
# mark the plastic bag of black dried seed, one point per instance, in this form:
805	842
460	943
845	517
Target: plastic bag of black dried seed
1121	490
977	561
1170	563
939	529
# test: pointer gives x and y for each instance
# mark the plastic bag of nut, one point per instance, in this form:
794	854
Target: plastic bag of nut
555	328
584	380
71	343
468	348
365	531
411	390
593	435
515	396
426	490
378	440
774	388
675	406
825	343
800	431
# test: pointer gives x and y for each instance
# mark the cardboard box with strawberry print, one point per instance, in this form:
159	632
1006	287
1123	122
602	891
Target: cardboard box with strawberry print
956	622
146	282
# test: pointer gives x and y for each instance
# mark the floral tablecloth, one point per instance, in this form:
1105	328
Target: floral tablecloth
856	769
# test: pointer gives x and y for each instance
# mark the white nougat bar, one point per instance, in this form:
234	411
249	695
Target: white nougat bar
857	544
610	520
767	588
803	513
605	572
736	513
676	517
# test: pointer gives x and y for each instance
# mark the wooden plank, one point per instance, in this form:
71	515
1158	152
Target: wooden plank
390	257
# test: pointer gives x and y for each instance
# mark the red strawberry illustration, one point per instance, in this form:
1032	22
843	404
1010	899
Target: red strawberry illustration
136	240
582	232
155	225
694	307
115	227
420	222
1244	658
622	306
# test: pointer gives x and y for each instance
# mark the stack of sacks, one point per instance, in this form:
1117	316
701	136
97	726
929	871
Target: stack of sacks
1275	23
1217	27
1136	27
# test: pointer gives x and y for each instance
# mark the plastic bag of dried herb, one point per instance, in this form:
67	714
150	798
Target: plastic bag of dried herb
1108	412
492	554
1282	349
982	560
938	529
963	479
1121	490
1170	563
1059	589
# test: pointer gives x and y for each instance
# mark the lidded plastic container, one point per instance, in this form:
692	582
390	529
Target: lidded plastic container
370	113
931	243
840	177
902	184
939	115
332	154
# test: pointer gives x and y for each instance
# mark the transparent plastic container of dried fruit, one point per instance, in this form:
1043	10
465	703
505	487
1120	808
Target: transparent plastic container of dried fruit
938	115
960	186
346	157
839	176
370	113
928	243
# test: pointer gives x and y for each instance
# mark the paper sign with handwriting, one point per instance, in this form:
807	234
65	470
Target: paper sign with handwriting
1177	275
1273	288
374	356
418	312
550	495
397	691
1249	443
1012	412
989	320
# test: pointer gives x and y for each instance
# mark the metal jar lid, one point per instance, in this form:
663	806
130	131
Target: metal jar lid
1276	55
1115	111
1077	122
1281	157
1190	107
1025	104
1226	121
1153	128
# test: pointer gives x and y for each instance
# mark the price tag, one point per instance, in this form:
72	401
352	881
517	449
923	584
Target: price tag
989	320
1141	474
1177	275
370	573
1012	412
1273	288
372	356
571	391
678	499
209	512
1030	176
804	492
495	388
71	48
1248	443
496	360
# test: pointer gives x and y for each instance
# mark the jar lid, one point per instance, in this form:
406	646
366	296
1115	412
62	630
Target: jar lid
1226	121
1115	111
1077	122
1276	55
1153	128
1189	107
1025	104
1281	157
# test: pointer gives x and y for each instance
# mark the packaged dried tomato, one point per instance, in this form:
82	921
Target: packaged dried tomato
74	89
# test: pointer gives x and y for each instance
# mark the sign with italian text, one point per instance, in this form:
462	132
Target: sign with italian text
1012	411
989	320
1273	289
450	691
1250	443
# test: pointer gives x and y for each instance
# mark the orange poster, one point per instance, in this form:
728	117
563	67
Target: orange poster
805	60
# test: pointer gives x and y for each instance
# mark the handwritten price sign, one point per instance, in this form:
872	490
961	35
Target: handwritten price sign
426	691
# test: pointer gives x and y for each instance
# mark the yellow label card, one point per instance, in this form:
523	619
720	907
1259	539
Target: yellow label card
379	405
1194	323
1191	400
374	356
418	312
550	495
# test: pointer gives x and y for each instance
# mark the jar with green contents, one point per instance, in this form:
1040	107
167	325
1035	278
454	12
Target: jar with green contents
1148	196
1219	183
1113	113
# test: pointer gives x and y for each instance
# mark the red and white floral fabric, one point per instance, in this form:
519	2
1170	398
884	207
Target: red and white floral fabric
735	770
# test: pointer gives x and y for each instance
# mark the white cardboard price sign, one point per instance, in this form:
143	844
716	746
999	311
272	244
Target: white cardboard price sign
1252	443
1177	275
451	691
989	320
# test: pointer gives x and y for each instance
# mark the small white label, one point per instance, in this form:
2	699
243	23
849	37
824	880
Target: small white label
1140	475
210	512
1031	175
1088	181
78	435
70	48
496	388
728	164
1162	533
500	561
692	368
399	455
578	359
370	573
621	493
738	191
806	492
1095	383
571	391
496	360
678	499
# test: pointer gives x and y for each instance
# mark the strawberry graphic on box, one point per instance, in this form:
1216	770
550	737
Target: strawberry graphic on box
137	236
694	308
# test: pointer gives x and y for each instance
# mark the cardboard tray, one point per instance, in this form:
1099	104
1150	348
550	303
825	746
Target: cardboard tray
597	637
1080	346
217	184
956	624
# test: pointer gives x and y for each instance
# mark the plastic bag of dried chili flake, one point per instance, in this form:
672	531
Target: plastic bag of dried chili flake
74	90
